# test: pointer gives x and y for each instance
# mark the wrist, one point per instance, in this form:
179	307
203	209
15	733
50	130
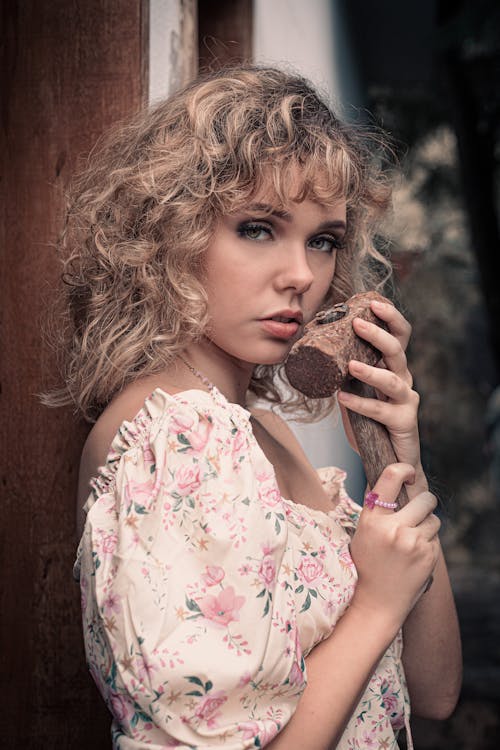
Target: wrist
382	624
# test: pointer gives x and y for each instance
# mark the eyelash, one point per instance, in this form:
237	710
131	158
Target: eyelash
245	228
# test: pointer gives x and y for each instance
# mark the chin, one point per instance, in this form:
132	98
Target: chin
274	358
265	353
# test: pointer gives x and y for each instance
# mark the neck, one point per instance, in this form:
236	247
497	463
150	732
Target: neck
229	375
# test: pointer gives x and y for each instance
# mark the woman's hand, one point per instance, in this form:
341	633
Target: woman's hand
390	548
396	405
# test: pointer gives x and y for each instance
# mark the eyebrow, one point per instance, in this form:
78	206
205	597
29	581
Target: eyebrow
269	210
265	208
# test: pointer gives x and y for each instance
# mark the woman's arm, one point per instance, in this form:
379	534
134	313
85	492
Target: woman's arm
338	670
386	548
432	650
432	655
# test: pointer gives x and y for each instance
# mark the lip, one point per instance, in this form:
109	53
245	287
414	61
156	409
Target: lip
279	330
288	313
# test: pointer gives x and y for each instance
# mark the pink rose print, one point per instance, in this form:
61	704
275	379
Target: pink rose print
222	609
147	454
345	558
187	479
181	423
140	492
250	729
263	476
198	438
109	542
207	707
309	569
397	721
270	496
213	575
390	702
267	570
239	441
120	707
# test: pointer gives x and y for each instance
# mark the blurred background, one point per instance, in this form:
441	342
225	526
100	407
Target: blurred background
426	72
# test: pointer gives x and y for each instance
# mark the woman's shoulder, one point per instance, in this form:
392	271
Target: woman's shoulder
125	408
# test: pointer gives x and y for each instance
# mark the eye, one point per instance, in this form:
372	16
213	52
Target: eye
326	243
254	231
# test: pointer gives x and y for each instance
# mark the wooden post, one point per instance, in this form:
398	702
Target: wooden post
70	69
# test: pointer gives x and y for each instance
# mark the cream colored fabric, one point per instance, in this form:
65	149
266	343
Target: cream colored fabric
203	589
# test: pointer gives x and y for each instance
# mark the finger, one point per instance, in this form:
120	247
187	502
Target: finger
429	527
398	325
385	412
384	381
388	345
388	486
418	509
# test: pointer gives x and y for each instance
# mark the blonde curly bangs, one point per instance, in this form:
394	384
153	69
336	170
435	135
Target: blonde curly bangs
142	213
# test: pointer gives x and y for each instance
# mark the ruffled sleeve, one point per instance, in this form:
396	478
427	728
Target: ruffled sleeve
189	624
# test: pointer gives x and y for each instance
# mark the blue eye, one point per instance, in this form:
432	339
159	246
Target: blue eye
253	231
326	243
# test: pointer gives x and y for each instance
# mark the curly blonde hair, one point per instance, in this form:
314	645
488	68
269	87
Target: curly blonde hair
142	213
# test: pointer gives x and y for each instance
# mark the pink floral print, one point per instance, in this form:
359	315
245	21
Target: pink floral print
213	575
222	609
310	569
267	570
203	590
207	708
187	479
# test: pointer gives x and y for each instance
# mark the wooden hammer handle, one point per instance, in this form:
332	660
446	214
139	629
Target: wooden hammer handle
374	443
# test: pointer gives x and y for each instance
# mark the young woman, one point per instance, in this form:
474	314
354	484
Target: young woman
232	596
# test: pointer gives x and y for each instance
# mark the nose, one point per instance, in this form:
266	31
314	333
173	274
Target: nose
295	272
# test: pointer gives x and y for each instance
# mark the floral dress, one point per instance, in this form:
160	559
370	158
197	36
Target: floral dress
203	589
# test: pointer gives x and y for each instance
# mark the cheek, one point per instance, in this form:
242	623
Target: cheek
322	281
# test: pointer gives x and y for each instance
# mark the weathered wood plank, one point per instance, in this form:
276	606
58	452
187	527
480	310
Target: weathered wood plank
70	69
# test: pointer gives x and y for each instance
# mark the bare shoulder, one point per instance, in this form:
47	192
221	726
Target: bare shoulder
123	408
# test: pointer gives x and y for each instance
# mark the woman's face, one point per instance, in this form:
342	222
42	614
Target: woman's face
268	270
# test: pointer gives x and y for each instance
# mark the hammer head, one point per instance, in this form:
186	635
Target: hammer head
317	364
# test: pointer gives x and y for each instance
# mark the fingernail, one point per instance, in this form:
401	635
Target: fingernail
380	305
361	323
